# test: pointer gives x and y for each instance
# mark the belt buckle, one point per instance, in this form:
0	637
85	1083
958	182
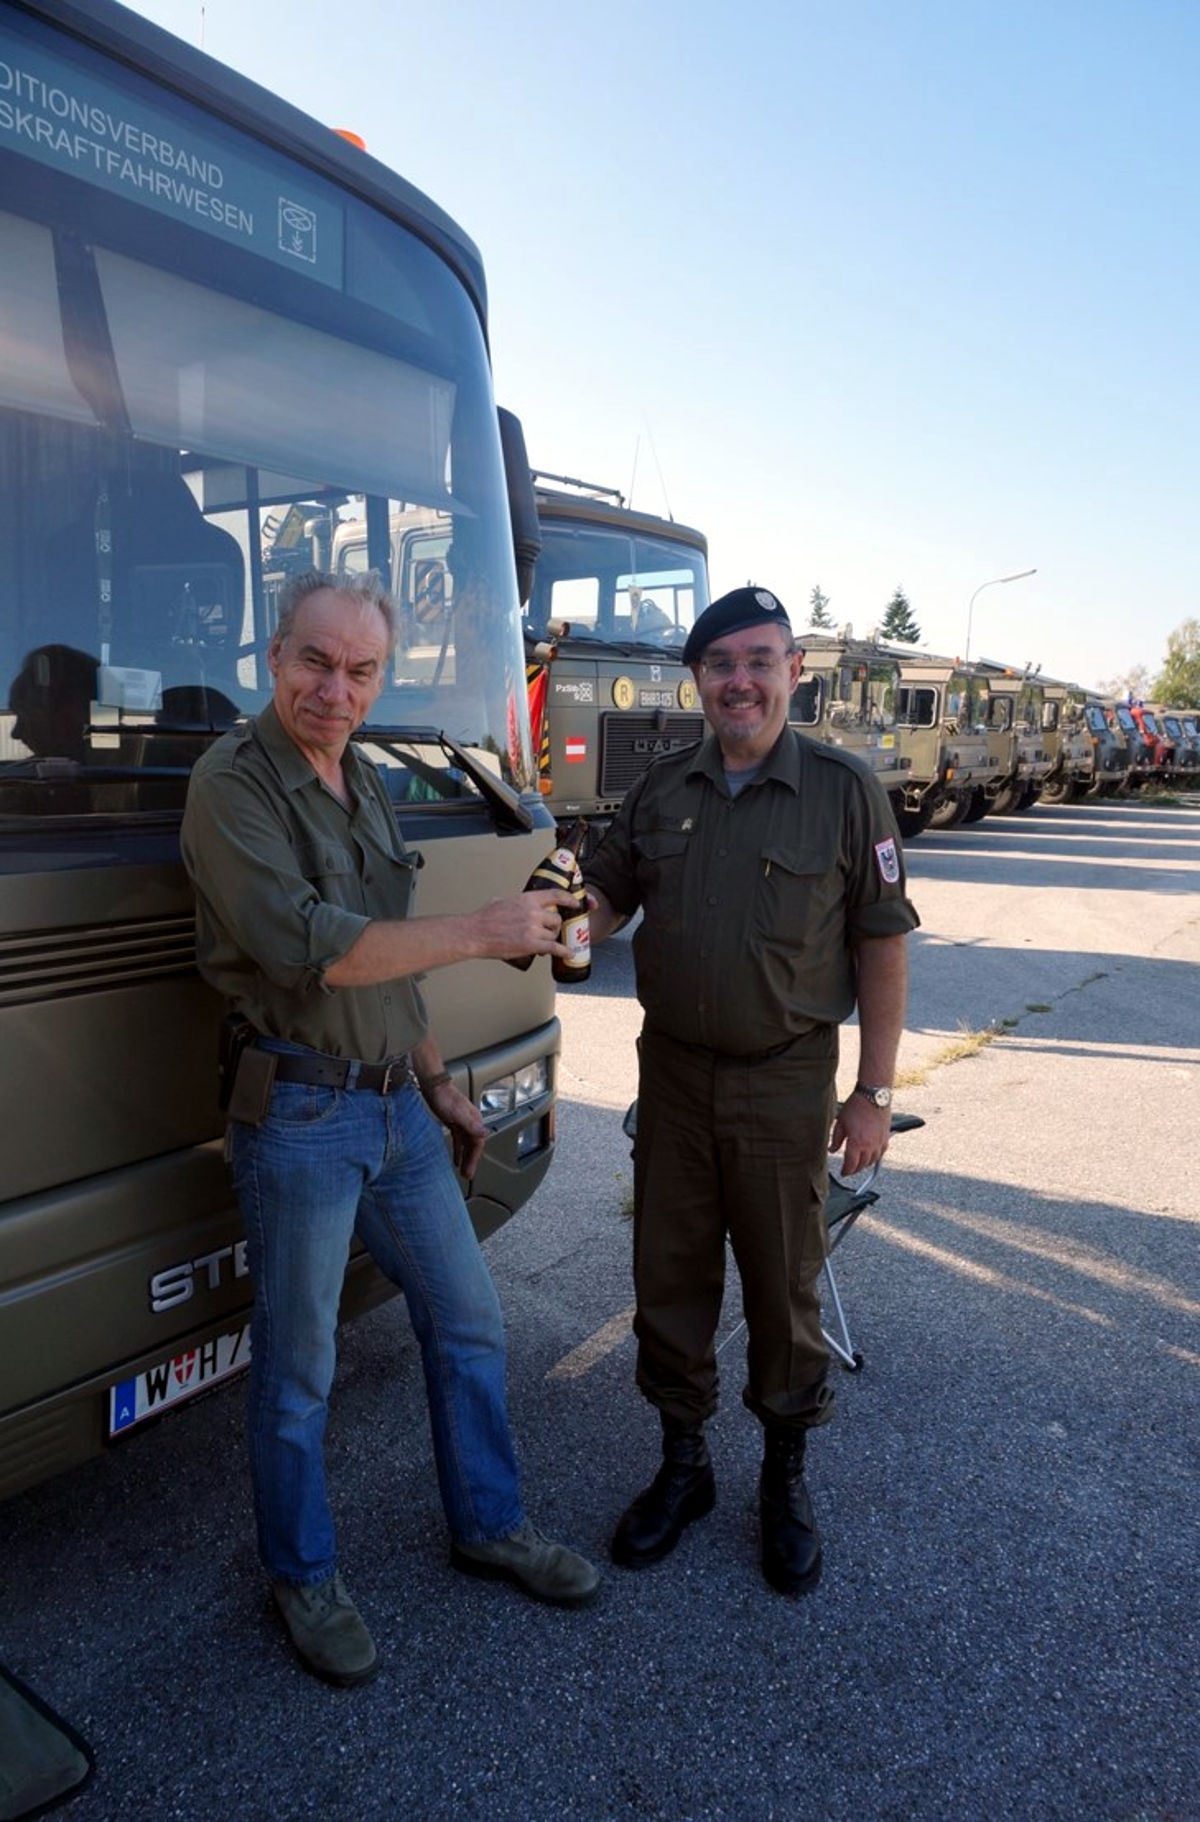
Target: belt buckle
395	1075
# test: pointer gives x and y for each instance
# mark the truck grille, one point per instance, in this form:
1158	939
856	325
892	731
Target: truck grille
629	742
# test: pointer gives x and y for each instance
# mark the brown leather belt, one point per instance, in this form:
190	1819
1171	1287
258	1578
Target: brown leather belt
345	1072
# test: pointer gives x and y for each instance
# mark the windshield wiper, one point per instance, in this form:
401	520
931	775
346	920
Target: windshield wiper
504	801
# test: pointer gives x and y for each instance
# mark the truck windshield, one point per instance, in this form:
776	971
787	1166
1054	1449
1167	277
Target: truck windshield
195	406
917	706
615	588
865	692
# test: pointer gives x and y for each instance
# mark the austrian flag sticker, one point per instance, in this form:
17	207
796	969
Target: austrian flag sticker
888	861
574	749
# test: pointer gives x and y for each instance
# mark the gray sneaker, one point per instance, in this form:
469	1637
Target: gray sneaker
548	1571
328	1631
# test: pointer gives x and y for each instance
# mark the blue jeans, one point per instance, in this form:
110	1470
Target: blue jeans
325	1164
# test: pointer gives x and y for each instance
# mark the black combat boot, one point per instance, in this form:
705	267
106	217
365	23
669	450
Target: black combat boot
791	1543
682	1490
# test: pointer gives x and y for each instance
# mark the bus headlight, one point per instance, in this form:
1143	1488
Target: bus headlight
510	1093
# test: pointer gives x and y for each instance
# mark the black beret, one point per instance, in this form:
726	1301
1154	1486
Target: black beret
732	613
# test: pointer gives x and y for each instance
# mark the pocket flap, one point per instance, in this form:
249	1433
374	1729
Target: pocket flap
660	844
319	859
797	860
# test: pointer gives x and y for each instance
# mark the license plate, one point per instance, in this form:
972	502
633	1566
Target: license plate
133	1400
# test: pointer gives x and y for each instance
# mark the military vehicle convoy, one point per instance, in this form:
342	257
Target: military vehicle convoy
614	593
985	737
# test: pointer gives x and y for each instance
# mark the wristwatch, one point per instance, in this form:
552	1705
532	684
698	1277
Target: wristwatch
879	1097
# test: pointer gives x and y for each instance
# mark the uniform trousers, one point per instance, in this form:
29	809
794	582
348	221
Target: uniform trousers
738	1147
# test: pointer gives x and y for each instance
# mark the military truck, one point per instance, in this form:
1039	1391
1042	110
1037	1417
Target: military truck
1110	749
1189	723
1067	740
943	730
1145	749
1183	763
615	593
847	697
1015	706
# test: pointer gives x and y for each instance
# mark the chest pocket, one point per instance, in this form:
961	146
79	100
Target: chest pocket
795	888
324	860
660	855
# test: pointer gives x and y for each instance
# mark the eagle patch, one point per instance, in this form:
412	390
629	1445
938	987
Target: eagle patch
888	861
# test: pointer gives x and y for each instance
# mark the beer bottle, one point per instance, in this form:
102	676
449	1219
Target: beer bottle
561	868
576	933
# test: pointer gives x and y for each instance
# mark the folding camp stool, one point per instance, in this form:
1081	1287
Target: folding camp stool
843	1205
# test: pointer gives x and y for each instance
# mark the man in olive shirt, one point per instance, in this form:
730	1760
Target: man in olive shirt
769	873
303	890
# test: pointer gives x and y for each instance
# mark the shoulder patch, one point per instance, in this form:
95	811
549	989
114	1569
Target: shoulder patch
888	861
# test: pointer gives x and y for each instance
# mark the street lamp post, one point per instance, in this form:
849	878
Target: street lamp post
1018	576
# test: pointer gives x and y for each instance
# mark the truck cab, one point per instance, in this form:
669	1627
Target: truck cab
1111	758
943	731
1190	722
1183	767
615	593
1158	752
1068	742
1016	701
1143	748
847	697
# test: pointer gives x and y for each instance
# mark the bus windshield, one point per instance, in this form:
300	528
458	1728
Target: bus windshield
219	370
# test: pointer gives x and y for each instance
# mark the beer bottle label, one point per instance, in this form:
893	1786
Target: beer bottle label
576	934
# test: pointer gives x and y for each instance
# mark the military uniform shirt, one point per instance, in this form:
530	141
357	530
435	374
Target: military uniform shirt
287	879
752	903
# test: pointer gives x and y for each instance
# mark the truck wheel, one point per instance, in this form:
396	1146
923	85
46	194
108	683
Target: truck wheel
1008	801
1064	789
950	812
911	823
978	806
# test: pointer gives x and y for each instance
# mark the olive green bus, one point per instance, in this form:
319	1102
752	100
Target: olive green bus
227	334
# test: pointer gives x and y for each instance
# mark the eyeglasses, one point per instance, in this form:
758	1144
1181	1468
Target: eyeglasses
724	668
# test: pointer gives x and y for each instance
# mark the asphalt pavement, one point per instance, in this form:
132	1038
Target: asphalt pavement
1007	1625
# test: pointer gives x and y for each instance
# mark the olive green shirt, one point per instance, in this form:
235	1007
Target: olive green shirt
287	879
753	904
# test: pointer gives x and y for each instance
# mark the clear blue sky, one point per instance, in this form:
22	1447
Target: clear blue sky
872	293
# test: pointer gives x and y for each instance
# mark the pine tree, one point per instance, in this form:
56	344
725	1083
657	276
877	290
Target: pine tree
898	623
818	613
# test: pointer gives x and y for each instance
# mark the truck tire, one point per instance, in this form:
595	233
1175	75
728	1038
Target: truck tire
950	812
1064	789
1007	801
912	823
978	806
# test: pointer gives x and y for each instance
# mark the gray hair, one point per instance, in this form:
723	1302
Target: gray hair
367	588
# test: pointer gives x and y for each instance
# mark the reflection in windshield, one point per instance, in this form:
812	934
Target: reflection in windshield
159	481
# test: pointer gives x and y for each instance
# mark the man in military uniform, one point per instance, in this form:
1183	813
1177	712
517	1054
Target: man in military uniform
769	873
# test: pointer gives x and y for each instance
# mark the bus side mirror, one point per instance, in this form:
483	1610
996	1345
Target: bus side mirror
522	506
